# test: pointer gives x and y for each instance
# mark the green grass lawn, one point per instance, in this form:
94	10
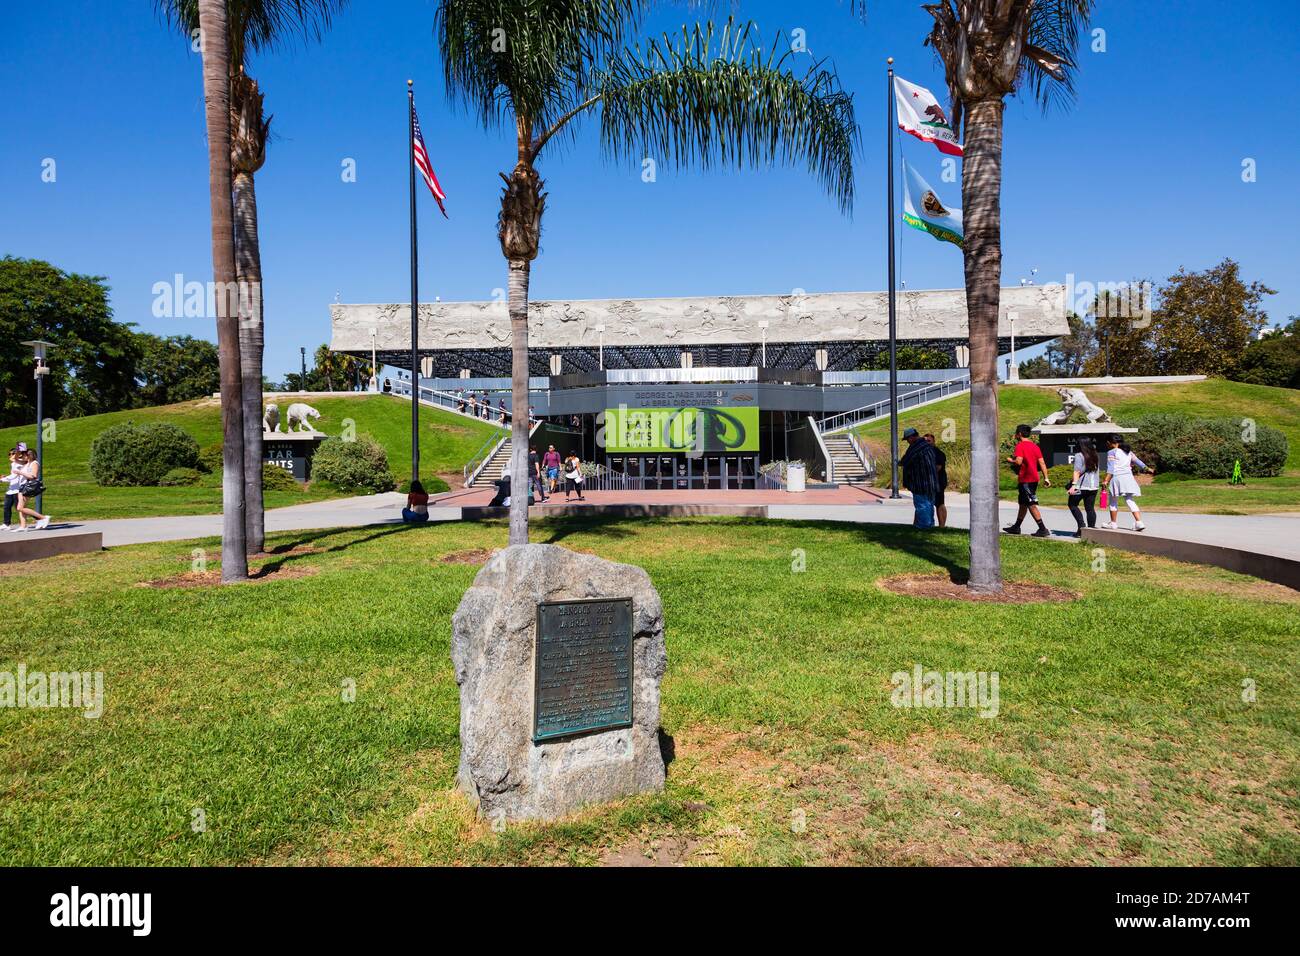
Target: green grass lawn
447	441
1278	407
230	700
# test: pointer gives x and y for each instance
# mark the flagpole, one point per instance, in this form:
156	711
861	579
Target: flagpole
415	291
893	322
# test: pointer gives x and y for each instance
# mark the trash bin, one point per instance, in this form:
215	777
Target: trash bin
795	477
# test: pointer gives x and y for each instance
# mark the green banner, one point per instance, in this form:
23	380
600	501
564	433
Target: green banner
630	430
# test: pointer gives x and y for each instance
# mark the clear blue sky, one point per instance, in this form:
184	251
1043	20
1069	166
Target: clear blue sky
1141	177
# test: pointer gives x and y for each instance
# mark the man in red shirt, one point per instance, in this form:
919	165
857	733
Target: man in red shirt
1029	464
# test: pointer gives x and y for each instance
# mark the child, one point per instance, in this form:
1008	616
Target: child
13	480
1120	482
1084	485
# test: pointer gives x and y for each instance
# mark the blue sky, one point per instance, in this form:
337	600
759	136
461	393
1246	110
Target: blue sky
1143	175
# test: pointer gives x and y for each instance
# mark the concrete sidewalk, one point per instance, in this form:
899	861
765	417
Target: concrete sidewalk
1270	534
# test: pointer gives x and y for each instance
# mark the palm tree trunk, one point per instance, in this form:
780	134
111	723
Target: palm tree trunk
248	264
982	212
518	290
216	93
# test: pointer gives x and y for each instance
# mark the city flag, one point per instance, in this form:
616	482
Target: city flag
920	114
423	165
922	209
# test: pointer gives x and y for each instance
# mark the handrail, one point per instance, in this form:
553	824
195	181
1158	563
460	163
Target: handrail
478	461
449	401
868	463
856	416
830	462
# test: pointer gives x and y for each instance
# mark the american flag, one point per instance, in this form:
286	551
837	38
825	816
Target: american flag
422	164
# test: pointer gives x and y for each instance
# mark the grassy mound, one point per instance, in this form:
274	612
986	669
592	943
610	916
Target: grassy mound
447	441
1213	398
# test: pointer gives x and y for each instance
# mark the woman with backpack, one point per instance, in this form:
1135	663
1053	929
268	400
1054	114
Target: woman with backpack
30	487
573	476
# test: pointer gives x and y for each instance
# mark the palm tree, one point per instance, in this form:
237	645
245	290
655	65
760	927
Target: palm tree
539	67
990	48
211	17
254	26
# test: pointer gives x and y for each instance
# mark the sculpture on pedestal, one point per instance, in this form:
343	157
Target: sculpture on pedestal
1071	399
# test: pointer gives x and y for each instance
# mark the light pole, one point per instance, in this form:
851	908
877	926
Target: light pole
374	365
302	382
39	349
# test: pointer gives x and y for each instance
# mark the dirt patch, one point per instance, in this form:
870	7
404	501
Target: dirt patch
204	579
942	586
668	851
472	556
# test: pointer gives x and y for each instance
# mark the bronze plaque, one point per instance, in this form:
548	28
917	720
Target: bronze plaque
582	667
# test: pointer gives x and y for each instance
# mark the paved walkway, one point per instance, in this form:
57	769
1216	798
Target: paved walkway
1274	534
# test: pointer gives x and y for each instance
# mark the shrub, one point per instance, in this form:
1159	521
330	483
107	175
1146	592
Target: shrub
131	454
180	476
275	478
1208	447
210	458
353	467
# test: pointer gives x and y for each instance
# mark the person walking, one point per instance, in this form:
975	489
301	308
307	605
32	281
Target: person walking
920	477
1084	484
1028	461
535	473
551	463
501	411
573	476
12	481
1120	482
30	486
941	476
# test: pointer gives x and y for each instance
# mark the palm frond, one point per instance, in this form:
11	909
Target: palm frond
721	100
1048	66
505	60
259	25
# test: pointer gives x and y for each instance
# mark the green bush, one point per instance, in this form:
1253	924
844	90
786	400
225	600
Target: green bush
210	458
353	467
180	476
275	478
131	454
1208	447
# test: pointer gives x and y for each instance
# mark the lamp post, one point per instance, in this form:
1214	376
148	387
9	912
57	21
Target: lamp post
302	382
39	349
762	326
600	331
374	364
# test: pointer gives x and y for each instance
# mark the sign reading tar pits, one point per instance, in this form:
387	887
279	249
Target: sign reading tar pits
582	667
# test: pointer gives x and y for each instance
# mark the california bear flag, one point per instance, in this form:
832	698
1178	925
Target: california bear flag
920	114
922	209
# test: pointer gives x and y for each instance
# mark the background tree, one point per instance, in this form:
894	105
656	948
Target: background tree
1068	355
93	359
1274	359
1205	320
1201	324
1037	367
990	48
911	357
255	26
537	67
175	368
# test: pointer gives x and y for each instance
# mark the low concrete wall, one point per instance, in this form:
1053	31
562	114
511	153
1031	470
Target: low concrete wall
480	513
1270	567
34	545
1116	380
